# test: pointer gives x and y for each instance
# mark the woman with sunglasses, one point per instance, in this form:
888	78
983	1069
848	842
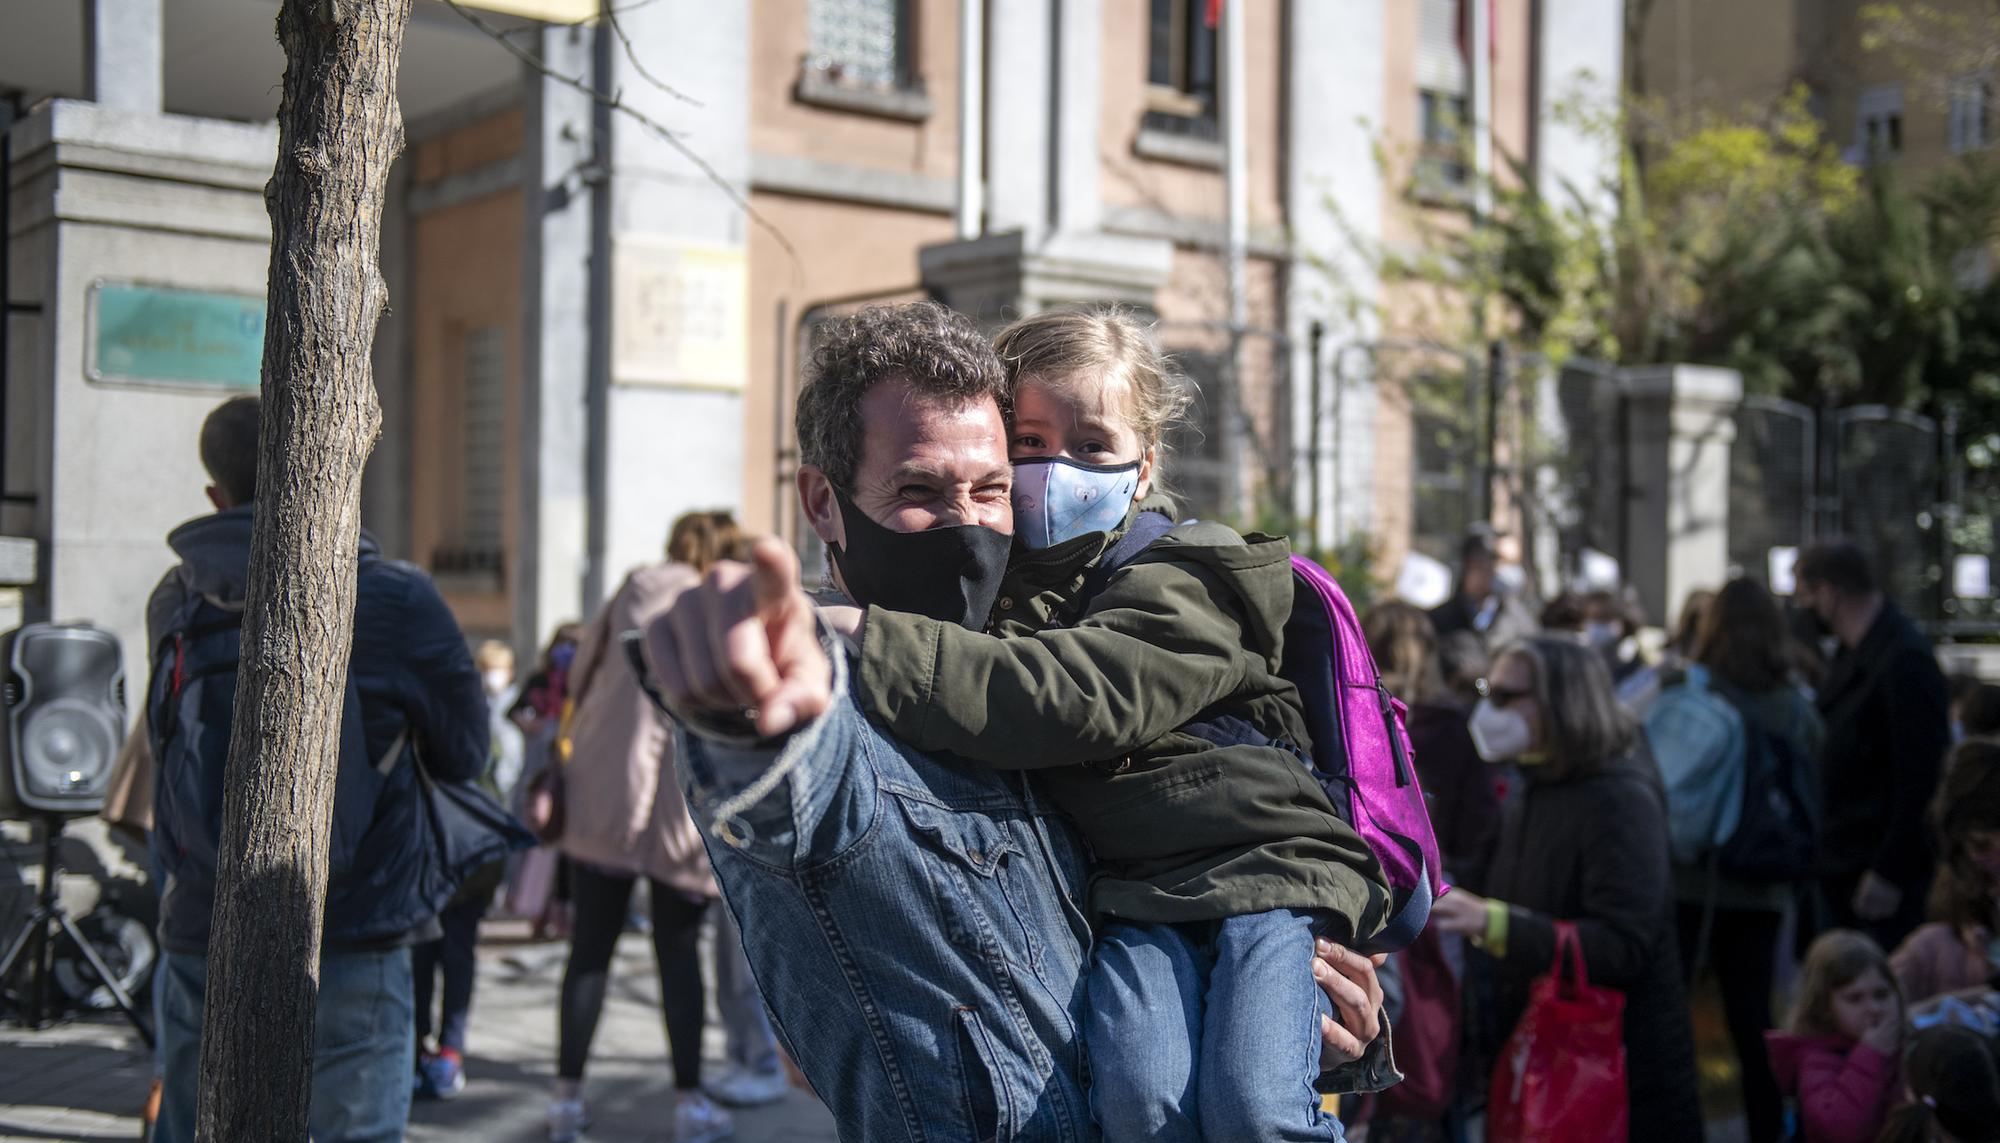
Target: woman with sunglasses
1585	842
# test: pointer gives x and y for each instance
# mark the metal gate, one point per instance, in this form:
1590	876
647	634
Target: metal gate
1771	472
1231	459
1885	495
1869	473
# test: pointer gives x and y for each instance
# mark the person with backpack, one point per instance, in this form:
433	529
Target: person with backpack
1585	843
1737	743
1150	701
413	701
1959	947
1888	725
949	895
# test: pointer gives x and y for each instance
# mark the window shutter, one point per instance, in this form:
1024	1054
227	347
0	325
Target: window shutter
1440	55
485	428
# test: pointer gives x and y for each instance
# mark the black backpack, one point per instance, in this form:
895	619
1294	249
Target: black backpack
1777	837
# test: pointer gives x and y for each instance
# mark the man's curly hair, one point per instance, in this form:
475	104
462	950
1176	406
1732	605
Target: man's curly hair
940	353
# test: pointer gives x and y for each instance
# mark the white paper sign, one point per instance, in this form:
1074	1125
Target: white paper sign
1972	577
1781	563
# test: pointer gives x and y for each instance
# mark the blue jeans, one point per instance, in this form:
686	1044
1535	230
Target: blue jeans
1207	1031
363	1047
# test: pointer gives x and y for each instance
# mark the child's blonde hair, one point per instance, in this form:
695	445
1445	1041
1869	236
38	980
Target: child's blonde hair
493	655
1062	347
1837	959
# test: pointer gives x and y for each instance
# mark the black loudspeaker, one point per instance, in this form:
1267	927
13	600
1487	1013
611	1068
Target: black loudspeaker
64	713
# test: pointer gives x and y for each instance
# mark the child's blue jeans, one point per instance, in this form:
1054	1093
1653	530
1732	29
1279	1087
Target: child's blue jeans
1208	1031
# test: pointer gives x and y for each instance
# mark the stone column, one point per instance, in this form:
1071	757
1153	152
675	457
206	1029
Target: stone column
1334	103
550	555
679	351
1680	425
122	55
1582	51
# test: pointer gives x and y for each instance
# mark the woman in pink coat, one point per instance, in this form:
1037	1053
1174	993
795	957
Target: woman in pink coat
624	818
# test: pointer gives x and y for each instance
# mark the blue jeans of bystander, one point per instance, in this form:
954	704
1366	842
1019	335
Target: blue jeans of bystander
364	1046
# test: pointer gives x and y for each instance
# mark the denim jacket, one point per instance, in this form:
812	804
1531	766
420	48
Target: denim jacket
914	925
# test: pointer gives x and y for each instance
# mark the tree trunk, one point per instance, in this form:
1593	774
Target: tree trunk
339	128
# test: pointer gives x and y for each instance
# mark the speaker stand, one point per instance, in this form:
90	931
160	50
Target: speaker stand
36	940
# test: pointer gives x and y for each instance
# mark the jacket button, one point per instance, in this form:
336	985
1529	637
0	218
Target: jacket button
1006	603
977	857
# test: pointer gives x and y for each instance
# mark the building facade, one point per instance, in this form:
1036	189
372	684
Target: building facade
599	314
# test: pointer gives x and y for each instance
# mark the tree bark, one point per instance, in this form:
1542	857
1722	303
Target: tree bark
339	129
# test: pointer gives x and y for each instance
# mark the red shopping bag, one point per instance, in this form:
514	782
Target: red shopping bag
1561	1075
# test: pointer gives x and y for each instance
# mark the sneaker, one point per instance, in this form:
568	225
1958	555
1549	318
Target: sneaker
444	1075
744	1088
567	1120
696	1120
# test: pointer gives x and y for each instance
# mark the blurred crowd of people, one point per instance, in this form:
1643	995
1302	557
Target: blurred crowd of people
1791	801
1793	804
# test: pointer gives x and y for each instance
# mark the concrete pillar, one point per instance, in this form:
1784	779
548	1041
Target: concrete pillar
1581	52
1019	81
122	54
674	430
110	204
1334	104
1079	58
1043	246
550	560
1680	425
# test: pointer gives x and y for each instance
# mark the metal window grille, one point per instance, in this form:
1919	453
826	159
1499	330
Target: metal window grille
859	41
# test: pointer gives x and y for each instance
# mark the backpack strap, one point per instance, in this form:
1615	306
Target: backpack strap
1147	527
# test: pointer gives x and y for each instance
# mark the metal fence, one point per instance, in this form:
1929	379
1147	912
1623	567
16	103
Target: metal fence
1231	458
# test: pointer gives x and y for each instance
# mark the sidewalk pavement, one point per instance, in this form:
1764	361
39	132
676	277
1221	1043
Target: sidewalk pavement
85	1080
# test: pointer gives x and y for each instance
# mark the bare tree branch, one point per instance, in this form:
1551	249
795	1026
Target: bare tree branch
617	29
616	102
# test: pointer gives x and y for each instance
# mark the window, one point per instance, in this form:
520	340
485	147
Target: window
1443	84
862	43
483	425
1971	123
1878	122
1181	70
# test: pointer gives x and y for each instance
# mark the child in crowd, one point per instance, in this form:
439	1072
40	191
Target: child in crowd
1953	1090
1151	702
1837	1056
1960	947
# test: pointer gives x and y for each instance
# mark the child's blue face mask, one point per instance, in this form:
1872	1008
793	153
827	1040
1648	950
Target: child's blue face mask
1057	499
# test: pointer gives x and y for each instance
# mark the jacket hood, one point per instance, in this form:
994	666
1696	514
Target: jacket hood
1258	567
215	554
1788	1050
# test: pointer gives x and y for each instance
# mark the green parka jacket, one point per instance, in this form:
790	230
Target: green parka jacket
1183	830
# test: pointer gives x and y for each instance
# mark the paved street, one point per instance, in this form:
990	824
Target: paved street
83	1081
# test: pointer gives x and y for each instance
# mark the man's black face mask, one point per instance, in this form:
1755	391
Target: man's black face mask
949	574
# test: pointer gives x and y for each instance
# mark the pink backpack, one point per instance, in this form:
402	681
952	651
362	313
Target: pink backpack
1361	749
